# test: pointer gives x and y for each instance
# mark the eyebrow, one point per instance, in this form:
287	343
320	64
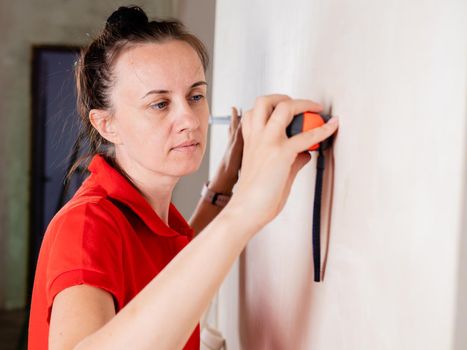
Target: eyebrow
198	83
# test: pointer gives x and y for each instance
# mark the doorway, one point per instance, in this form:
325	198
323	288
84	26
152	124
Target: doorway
55	126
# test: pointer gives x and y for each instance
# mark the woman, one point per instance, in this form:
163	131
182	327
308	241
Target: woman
115	268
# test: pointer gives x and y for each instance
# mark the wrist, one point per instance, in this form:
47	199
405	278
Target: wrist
223	180
244	220
244	223
218	199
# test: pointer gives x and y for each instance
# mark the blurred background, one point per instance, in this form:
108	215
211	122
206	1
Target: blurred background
38	127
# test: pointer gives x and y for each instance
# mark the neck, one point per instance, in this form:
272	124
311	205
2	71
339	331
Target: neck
158	196
156	188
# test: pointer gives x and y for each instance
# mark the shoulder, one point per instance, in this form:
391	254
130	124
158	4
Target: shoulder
84	239
84	218
84	245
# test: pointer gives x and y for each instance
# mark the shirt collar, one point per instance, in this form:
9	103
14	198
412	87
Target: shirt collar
119	188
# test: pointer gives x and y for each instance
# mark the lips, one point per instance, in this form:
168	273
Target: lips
186	144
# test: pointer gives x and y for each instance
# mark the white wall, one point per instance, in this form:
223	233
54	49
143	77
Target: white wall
395	73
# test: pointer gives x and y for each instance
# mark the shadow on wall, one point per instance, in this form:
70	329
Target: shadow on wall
259	326
460	335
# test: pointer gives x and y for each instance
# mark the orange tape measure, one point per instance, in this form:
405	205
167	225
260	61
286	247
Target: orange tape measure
307	121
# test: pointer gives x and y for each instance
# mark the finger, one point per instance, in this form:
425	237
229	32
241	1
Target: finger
286	110
264	106
304	140
238	138
240	132
301	160
233	114
238	144
234	118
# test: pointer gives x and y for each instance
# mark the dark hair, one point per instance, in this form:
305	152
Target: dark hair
93	71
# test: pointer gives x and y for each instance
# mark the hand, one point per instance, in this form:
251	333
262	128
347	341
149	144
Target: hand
271	160
227	173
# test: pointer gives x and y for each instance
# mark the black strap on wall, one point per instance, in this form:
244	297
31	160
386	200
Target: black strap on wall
317	216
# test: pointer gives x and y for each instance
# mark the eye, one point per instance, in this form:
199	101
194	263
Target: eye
197	98
159	105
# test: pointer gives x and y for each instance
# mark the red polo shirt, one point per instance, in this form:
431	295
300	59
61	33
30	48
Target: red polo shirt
106	236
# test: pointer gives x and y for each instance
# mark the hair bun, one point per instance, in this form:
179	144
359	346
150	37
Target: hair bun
124	17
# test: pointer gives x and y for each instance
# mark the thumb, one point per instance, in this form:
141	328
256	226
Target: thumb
300	161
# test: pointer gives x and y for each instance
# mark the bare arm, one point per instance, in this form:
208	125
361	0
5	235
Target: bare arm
77	312
161	316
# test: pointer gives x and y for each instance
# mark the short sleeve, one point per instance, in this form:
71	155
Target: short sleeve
85	248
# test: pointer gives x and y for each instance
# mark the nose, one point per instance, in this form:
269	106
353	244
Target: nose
187	118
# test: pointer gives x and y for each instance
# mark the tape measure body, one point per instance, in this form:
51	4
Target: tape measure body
308	121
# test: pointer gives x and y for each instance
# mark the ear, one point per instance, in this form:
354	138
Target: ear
103	122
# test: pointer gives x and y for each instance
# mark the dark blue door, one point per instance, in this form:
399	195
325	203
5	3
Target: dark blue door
54	132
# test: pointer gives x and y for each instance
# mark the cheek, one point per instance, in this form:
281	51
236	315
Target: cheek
152	141
140	134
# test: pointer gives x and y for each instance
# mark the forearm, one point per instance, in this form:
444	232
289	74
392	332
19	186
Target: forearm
205	212
166	311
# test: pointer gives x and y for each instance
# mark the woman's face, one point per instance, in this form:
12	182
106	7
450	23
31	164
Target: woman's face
159	108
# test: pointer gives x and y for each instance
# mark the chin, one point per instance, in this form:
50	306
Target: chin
188	169
188	164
